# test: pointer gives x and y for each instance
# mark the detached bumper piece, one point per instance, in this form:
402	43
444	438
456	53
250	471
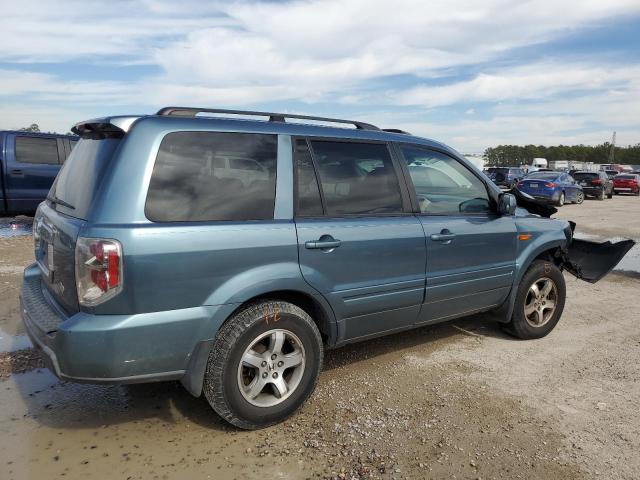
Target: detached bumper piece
590	261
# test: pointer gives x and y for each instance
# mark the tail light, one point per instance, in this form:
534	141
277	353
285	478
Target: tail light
550	185
596	182
98	270
521	184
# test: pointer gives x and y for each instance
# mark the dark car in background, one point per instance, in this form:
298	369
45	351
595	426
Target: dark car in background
505	176
29	162
611	173
627	183
595	184
551	187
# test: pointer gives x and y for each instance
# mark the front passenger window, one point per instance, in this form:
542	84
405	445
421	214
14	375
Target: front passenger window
443	185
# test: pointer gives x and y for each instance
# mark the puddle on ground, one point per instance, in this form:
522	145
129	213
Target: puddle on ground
629	263
12	343
56	429
15	227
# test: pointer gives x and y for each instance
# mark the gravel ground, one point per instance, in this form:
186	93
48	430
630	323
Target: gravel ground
455	400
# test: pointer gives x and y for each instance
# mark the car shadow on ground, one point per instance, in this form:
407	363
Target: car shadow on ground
67	405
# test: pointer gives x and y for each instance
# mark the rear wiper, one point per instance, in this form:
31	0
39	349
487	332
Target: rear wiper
54	199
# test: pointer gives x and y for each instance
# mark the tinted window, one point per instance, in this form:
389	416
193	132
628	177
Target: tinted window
443	185
357	178
542	176
37	150
585	176
625	177
189	183
308	196
81	174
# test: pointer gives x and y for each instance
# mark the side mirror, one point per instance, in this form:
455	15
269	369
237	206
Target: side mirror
507	204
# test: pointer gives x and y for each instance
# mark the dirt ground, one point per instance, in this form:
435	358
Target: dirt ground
456	400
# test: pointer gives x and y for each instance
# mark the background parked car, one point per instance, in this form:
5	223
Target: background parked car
552	187
595	184
29	162
627	183
505	176
611	173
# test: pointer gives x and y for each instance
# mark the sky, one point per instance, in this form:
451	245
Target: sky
472	74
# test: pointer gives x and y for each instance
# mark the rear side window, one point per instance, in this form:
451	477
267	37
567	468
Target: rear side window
357	178
209	176
37	150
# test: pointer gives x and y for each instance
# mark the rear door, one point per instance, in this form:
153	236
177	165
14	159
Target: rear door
359	244
471	250
32	163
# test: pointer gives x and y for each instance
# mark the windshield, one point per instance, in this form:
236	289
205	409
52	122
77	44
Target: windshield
625	177
78	180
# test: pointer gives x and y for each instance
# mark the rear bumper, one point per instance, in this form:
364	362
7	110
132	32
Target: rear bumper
592	191
89	348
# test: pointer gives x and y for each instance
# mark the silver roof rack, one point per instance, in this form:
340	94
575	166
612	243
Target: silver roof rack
273	117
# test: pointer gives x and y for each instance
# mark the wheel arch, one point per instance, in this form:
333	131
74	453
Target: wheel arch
551	251
315	305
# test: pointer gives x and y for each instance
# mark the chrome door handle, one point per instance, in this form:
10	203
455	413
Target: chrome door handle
444	237
324	244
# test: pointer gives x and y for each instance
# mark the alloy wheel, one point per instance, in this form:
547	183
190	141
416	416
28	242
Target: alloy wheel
271	368
540	303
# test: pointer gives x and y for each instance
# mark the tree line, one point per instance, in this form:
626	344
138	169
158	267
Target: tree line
512	155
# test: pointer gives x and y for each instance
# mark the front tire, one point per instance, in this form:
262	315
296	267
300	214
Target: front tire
539	301
560	201
264	364
579	198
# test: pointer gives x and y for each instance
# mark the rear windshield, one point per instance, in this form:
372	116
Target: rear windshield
542	176
625	177
79	178
584	176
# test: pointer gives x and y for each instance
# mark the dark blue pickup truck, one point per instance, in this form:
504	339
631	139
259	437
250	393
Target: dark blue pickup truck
29	162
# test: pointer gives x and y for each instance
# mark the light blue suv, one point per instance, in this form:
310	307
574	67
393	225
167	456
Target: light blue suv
229	253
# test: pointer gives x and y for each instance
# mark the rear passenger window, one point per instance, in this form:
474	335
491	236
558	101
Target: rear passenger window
308	202
357	178
443	185
37	150
206	176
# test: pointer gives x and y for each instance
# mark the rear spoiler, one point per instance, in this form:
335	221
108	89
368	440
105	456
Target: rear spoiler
107	127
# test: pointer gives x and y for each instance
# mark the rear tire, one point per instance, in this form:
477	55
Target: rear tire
539	301
610	194
264	364
601	195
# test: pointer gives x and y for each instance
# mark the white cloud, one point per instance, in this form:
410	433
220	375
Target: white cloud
538	80
242	53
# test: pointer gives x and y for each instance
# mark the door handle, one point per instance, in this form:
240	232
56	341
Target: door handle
17	172
326	242
445	236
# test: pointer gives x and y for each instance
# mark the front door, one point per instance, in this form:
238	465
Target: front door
32	165
471	250
359	245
